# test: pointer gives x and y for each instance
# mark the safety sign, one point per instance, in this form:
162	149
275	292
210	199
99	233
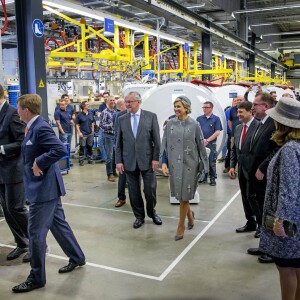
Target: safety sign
38	27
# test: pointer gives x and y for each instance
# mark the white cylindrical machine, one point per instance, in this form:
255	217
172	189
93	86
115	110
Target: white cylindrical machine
160	101
141	88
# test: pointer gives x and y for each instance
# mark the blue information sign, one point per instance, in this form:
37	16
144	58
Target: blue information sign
109	25
38	28
186	47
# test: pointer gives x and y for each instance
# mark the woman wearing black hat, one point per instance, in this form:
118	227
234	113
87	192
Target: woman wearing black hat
185	155
281	222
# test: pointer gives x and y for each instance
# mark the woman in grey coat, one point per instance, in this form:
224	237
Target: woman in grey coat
183	158
282	200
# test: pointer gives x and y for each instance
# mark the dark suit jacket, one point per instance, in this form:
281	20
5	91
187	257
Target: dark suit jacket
140	150
11	136
242	156
42	145
261	147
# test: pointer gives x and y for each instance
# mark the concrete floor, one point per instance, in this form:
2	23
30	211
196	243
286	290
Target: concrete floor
210	263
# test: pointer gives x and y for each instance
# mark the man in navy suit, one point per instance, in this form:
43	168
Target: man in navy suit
12	196
137	154
41	150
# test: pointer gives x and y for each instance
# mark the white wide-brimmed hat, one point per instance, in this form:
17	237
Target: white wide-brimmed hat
286	112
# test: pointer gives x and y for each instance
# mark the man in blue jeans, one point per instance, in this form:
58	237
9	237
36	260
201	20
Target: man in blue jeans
211	127
107	125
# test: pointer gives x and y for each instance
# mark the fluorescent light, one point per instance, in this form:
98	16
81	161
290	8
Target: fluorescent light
141	13
284	42
222	22
282	33
263	24
243	11
227	56
290	47
258	67
196	6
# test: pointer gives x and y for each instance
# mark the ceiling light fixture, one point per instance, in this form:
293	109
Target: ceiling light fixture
142	13
196	6
285	42
262	9
282	33
222	22
227	56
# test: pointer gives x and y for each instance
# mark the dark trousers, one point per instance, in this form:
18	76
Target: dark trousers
227	158
257	198
135	195
122	186
86	141
212	160
42	217
16	215
245	188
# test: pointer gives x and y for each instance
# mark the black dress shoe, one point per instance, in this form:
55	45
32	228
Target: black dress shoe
246	228
257	233
26	258
156	220
26	286
70	267
17	252
265	259
138	223
254	251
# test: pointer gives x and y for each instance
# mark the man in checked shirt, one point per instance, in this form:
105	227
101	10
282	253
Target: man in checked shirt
107	125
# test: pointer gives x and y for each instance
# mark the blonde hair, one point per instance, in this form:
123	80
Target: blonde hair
33	102
284	133
184	104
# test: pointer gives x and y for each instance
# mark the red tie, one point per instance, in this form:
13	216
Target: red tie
243	134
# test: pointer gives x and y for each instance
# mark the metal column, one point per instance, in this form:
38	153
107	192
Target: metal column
251	60
206	54
31	50
273	68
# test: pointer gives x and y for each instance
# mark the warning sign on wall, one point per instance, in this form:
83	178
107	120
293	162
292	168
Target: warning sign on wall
41	85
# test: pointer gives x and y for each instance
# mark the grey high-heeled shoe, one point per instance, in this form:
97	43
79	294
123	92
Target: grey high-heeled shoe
191	226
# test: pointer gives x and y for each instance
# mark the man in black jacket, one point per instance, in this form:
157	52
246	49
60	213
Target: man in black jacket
12	196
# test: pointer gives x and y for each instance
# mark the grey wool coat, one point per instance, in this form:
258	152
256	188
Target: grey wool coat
183	146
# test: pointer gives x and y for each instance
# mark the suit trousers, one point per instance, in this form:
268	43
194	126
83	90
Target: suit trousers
12	199
135	195
122	186
245	187
42	217
257	198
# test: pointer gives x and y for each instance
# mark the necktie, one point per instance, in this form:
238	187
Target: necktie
243	134
26	130
135	125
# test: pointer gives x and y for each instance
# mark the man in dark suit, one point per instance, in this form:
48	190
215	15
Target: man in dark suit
240	153
12	195
41	150
262	149
137	154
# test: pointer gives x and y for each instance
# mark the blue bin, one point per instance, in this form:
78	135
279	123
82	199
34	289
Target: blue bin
13	94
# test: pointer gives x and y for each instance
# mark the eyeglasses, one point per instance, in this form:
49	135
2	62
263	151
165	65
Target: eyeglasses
130	101
206	107
255	104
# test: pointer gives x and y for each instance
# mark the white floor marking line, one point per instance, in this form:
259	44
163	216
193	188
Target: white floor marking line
2	220
124	211
196	239
171	266
98	266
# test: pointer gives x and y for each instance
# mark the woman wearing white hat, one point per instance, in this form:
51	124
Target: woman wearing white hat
280	237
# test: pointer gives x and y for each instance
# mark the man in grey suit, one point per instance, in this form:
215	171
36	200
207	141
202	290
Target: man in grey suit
137	154
240	153
12	197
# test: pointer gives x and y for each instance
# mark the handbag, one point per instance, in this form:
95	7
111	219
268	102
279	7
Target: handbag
290	228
